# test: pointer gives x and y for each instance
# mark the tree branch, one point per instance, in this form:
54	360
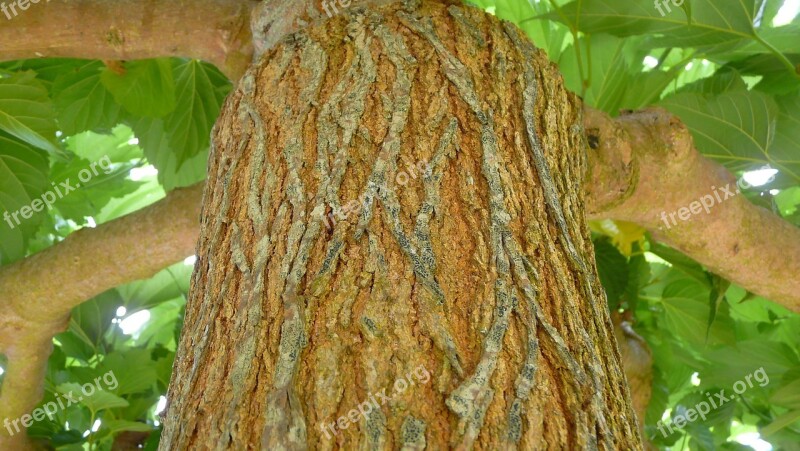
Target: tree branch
643	168
37	293
217	31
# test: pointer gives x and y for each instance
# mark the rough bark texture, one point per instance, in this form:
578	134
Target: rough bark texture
477	270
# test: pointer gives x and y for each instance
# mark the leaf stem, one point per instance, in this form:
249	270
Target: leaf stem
781	57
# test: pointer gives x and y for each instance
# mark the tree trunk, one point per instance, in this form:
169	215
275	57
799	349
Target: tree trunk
394	252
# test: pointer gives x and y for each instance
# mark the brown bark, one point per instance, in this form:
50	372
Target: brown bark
217	31
478	272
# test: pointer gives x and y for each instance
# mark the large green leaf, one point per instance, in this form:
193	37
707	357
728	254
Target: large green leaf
722	81
148	193
200	91
146	88
781	422
783	39
736	128
91	319
775	79
82	101
114	426
172	171
686	310
612	267
711	21
23	178
98	400
47	69
133	369
118	145
730	364
788	395
93	184
784	151
26	111
168	284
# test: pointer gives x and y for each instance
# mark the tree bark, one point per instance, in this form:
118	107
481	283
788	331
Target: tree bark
461	251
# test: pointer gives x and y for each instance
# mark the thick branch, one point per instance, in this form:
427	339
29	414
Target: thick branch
38	293
217	31
644	169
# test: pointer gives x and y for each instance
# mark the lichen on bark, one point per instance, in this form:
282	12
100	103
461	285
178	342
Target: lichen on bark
477	268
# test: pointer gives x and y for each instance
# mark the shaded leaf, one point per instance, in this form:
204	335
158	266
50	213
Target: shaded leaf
147	88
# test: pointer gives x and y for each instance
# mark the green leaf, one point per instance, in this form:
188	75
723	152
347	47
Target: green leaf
23	178
98	173
114	426
788	395
134	370
172	172
147	88
781	422
702	439
783	152
168	284
95	183
99	399
784	39
148	193
26	111
686	315
727	365
735	128
788	200
723	80
82	101
709	24
612	267
638	276
75	344
718	416
118	145
153	441
46	69
160	330
93	317
681	262
201	89
775	79
717	294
